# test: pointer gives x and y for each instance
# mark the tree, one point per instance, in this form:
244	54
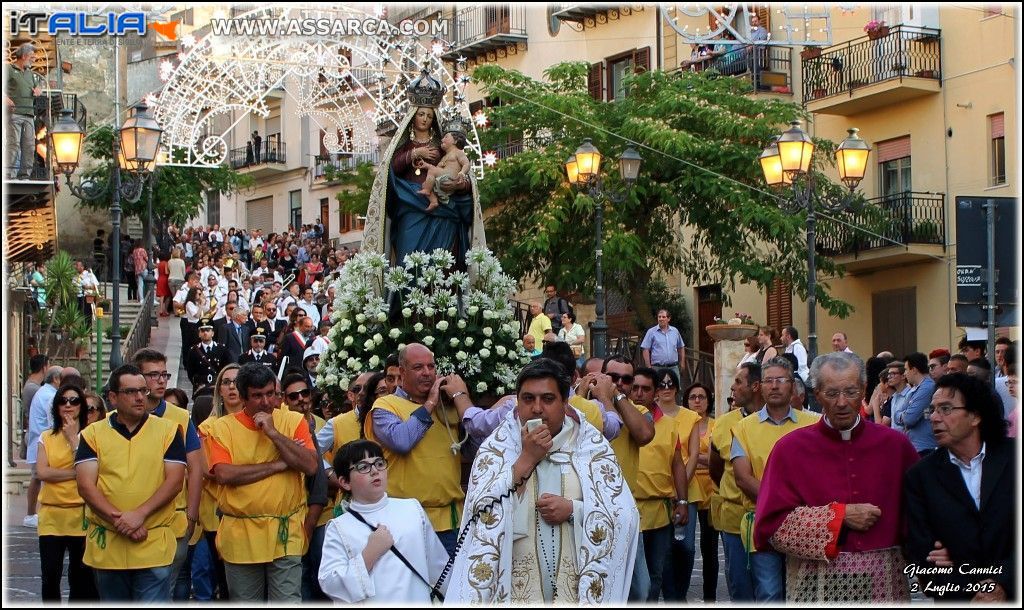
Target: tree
358	182
179	193
700	138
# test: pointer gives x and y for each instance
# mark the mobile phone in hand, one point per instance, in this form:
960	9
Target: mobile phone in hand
532	424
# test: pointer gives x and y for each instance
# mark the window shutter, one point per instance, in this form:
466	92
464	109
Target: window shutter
765	15
595	81
779	303
896	148
642	60
996	125
475	107
323	148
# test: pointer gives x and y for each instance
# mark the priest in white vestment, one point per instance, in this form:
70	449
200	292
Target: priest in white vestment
549	516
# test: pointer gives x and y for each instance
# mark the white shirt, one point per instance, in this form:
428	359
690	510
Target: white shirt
971	473
312	311
343	575
797	349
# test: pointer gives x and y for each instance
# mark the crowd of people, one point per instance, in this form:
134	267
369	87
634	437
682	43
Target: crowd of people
585	485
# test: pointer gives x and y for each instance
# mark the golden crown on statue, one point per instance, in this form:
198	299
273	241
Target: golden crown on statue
425	91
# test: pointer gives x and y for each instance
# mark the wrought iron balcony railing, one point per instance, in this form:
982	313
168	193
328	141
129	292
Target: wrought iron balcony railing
767	68
481	22
905	218
271	150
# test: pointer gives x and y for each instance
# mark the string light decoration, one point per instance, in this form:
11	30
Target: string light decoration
354	84
700	23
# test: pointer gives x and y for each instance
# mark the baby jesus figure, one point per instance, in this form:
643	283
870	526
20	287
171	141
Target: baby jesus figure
453	163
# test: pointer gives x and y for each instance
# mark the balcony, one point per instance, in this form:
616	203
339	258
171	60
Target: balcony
338	163
269	160
488	33
583	16
868	73
914	221
768	69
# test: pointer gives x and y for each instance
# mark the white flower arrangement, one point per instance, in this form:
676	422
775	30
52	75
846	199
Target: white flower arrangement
449	311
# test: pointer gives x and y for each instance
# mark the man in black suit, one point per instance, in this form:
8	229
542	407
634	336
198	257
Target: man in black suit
960	500
258	353
234	333
204	361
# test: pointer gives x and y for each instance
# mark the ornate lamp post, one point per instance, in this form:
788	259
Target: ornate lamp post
135	149
584	170
787	162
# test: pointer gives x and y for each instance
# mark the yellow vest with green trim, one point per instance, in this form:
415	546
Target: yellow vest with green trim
628	452
700	488
655	487
590	410
130	472
346	430
262	521
758	439
727	504
179	416
430	473
61	509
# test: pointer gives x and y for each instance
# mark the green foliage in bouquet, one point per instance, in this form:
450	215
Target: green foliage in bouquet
465	318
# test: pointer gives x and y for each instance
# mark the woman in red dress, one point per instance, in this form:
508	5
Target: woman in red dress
163	286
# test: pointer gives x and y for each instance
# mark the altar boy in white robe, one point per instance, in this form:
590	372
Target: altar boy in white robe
358	562
548	514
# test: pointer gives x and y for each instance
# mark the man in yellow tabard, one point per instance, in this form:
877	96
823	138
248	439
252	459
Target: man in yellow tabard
421	439
153	365
727	504
753	439
129	469
258	456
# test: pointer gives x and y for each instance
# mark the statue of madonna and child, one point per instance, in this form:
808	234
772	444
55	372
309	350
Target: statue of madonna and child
399	219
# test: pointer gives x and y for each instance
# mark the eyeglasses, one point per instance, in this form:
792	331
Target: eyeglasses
134	391
546	342
850	393
227	382
932	366
698	397
92	409
944	410
155	376
626	379
776	380
382	390
295	395
356	389
364	467
69	400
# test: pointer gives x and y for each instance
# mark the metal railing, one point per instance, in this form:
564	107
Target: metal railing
479	22
140	331
521	311
321	163
903	52
700	366
271	150
747	61
906	218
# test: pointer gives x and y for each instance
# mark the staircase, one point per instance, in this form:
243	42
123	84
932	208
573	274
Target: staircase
129	311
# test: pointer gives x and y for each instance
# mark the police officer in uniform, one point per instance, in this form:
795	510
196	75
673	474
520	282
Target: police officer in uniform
258	353
207	358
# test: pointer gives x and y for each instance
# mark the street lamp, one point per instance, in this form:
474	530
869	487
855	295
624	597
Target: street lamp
583	169
787	162
135	150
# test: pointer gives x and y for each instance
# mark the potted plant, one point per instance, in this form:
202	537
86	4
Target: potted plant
876	29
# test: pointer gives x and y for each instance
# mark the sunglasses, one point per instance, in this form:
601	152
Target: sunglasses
69	400
92	409
295	395
364	467
626	379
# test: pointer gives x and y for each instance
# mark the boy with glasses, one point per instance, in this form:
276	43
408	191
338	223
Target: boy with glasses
362	546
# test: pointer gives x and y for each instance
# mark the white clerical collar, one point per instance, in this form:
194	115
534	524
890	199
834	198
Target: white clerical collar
845	434
360	507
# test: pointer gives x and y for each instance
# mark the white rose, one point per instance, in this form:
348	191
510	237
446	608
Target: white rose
452	312
469	341
429	311
481	387
368	344
360	318
374	362
350	363
461	356
382	317
454	342
488	331
418	327
348	341
395	333
485	353
488	314
428	340
378	339
461	324
345	324
362	329
472	310
501	350
442	326
343	383
343	354
401	346
358	366
513	355
406	313
488	343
